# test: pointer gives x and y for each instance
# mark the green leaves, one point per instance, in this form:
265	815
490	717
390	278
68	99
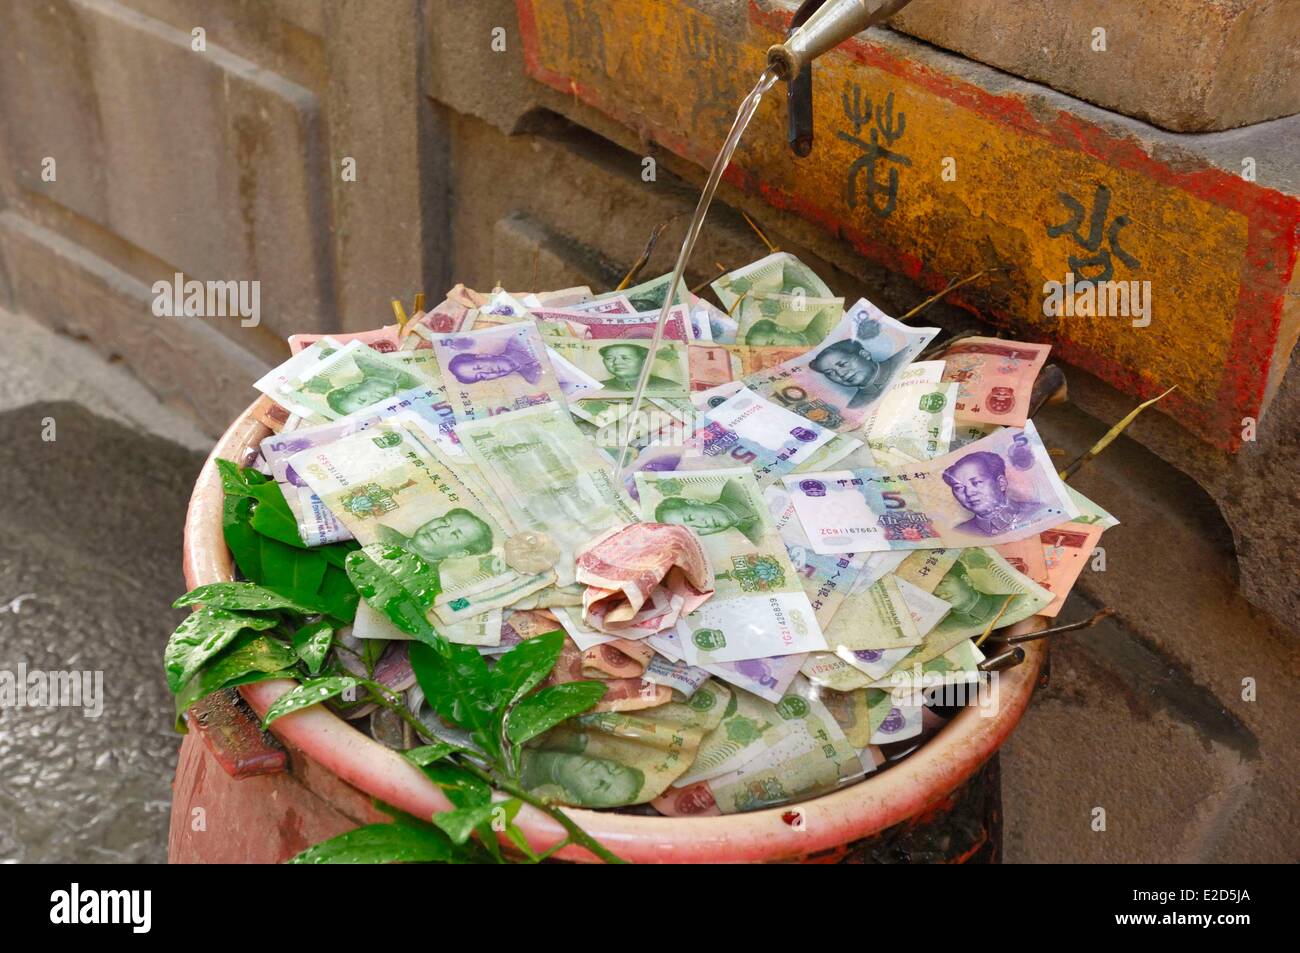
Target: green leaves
398	842
249	657
399	584
309	693
546	709
524	667
262	534
200	637
240	596
312	643
456	683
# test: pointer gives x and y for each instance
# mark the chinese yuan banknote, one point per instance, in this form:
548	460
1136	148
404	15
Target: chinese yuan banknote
995	378
914	420
316	524
840	381
748	430
759	608
495	370
343	382
387	487
623	568
616	365
778	273
826	579
766	320
606	325
552	481
810	756
713	365
999	489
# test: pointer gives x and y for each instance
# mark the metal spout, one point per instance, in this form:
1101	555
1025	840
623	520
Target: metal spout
835	22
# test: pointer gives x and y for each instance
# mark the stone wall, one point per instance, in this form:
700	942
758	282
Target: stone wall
230	163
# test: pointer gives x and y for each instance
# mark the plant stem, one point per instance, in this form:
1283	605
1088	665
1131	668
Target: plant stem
576	834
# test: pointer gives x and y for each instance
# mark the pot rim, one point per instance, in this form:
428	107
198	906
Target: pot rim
850	813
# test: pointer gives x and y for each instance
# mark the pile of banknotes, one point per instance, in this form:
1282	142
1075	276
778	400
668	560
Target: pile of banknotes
856	519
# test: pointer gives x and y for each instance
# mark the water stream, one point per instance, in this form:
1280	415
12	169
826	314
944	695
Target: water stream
743	116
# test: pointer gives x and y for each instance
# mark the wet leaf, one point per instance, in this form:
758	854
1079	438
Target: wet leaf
240	596
201	636
382	844
552	705
310	692
399	584
312	643
524	667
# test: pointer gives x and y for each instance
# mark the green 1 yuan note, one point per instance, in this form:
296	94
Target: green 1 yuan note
760	609
387	487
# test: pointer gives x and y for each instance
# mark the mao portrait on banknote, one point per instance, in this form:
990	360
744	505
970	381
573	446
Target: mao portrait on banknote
839	382
999	489
387	486
496	369
348	380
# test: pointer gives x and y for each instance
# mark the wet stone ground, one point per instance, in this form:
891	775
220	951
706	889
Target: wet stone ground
90	561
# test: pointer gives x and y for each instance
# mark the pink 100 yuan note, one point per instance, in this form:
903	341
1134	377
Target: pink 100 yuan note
995	378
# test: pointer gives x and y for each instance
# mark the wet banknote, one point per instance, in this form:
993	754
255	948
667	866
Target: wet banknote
746	430
600	326
759	608
612	759
995	378
299	364
825	579
552	481
778	273
1066	551
785	320
713	365
573	381
682	678
483	630
348	380
387	486
860	667
913	422
617	366
641	578
316	524
712	324
925	568
648	295
496	370
840	381
1000	489
964	433
765	677
876	618
977	586
811	756
959	665
751	729
623	693
619	304
893	717
383	339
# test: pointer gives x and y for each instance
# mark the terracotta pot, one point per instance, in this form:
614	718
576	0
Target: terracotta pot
911	789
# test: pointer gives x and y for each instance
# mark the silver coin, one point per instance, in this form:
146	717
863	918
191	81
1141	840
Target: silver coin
531	552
